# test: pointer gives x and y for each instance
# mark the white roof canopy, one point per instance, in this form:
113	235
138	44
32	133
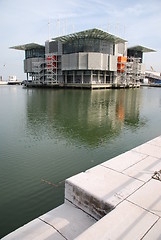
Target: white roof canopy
91	33
141	49
27	46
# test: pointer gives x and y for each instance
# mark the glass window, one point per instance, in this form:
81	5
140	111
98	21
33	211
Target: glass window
88	45
34	53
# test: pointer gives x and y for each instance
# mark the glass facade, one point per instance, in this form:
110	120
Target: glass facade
88	45
35	53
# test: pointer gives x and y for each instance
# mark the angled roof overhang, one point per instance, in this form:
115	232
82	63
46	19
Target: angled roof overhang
141	49
27	46
91	33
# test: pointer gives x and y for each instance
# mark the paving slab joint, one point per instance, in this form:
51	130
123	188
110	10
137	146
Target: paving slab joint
150	229
53	227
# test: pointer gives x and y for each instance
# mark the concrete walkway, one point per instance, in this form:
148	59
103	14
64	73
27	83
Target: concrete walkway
117	199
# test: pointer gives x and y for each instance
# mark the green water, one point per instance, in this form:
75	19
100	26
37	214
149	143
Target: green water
48	135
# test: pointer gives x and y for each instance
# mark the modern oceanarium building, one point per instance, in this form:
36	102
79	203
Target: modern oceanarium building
91	59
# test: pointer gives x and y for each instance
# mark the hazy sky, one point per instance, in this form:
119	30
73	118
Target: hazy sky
23	22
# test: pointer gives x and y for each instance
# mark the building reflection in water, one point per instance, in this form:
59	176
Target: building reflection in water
87	117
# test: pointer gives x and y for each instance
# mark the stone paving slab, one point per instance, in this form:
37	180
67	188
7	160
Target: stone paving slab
145	169
124	161
34	230
99	190
68	220
127	221
148	197
155	232
149	149
156	141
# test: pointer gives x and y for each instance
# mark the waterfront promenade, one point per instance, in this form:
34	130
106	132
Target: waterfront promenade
118	199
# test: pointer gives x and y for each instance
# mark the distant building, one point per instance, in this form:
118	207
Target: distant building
152	77
12	78
91	58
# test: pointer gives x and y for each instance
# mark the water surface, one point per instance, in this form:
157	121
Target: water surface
48	135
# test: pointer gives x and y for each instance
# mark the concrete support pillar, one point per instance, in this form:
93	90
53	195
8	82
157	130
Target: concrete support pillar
73	76
98	77
91	77
65	77
104	76
110	77
115	79
82	77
